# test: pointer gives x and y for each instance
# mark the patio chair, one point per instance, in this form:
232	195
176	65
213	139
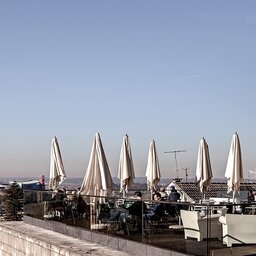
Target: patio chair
238	229
199	227
133	224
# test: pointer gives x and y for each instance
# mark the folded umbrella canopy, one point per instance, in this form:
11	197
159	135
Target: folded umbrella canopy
126	170
57	172
97	180
153	169
234	169
203	167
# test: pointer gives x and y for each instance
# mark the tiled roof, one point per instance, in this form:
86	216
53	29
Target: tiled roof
215	190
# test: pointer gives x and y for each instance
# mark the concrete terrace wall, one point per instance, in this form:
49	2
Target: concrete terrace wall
21	239
115	243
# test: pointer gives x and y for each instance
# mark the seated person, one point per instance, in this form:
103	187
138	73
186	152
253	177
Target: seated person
60	195
104	212
250	196
57	205
80	208
157	210
136	209
174	196
163	193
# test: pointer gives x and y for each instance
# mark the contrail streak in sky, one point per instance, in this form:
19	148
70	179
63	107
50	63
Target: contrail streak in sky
207	73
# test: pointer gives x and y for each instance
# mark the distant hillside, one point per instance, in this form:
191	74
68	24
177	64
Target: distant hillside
165	181
143	180
77	182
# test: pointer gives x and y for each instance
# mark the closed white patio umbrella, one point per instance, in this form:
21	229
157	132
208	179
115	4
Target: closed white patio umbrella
203	168
57	172
126	169
97	180
153	169
234	168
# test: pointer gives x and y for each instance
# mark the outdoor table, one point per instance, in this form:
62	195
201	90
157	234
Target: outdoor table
251	209
214	209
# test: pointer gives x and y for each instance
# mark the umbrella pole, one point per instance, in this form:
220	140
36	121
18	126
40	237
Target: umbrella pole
203	195
233	208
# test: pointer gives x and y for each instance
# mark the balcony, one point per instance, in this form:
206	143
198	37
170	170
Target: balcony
169	232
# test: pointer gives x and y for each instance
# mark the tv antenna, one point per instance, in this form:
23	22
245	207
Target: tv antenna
175	156
186	172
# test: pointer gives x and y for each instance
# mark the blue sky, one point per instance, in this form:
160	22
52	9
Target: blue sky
172	71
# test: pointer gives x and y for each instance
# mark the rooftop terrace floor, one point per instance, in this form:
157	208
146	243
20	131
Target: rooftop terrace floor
191	246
